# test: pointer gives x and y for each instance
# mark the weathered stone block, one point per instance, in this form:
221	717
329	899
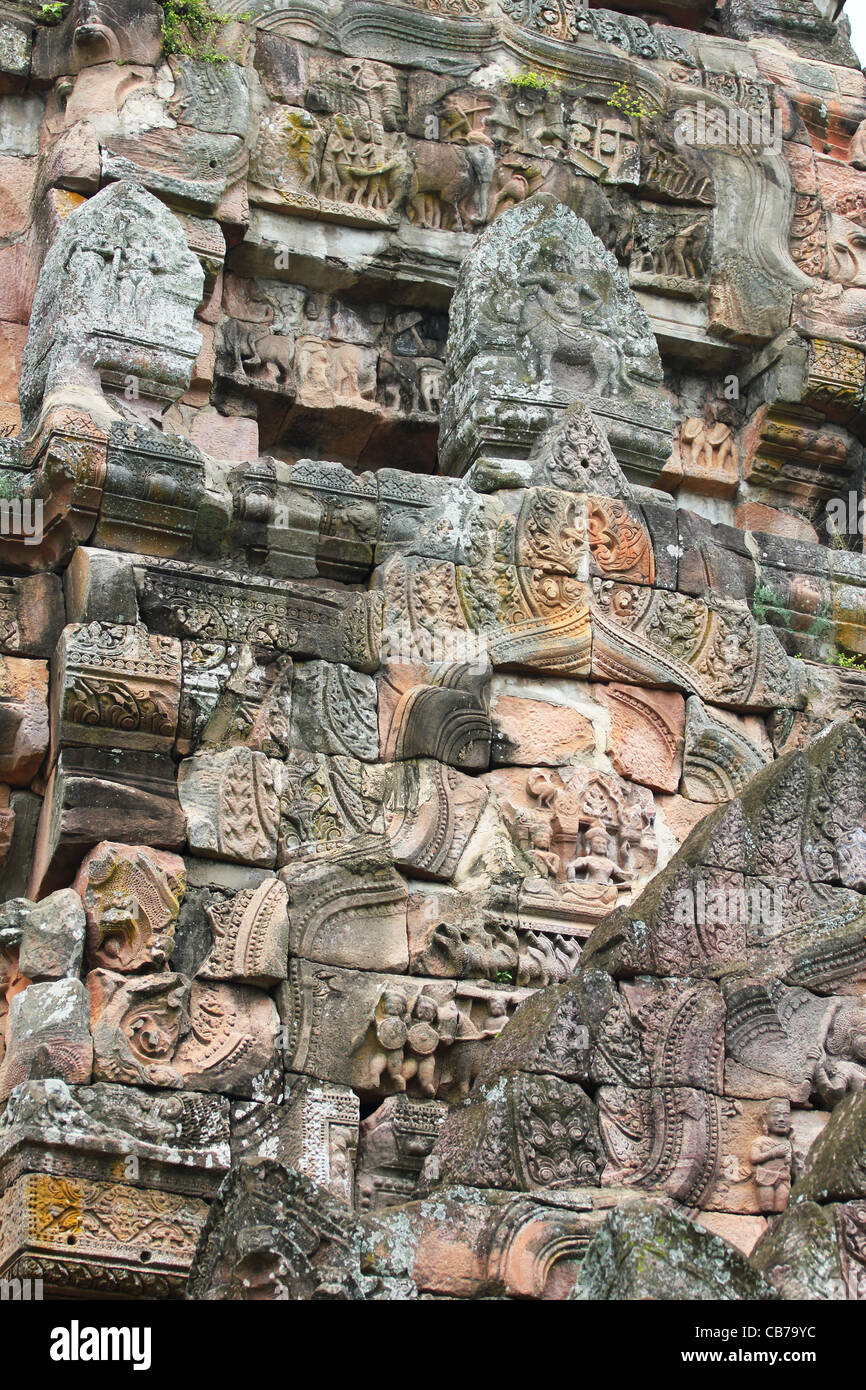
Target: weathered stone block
159	1030
521	1133
250	935
349	909
93	793
48	1034
131	897
382	1034
308	1246
314	1131
99	587
51	934
535	732
31	614
23	719
272	616
232	803
334	710
328	804
723	751
443	714
101	1238
431	811
646	734
522	345
115	685
182	1136
116	296
393	1144
647	1252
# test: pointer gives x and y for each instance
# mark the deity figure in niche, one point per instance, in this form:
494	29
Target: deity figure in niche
595	864
772	1156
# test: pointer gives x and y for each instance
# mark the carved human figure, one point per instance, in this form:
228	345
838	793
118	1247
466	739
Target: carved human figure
391	1033
497	1015
596	865
134	263
543	857
456	1028
840	1067
637	844
423	1041
772	1156
429	386
346	372
312	364
683	254
12	982
343	1142
539	312
709	447
560	319
299	133
85	263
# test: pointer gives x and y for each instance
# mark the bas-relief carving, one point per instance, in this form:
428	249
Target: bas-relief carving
117	681
250	936
159	1030
428	1042
532	940
393	1144
352	853
131	901
385	1035
344	163
543	302
587	836
127	287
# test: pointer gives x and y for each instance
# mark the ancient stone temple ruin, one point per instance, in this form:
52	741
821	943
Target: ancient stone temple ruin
432	649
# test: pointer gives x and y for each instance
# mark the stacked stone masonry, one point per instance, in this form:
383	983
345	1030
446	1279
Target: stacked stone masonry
432	650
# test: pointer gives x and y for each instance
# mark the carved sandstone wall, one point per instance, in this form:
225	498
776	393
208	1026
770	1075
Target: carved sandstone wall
431	488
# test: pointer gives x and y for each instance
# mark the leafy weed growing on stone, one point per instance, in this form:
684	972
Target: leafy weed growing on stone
190	29
850	663
632	106
535	81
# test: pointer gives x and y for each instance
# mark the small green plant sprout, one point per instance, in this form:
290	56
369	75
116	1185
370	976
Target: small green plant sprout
762	600
632	106
850	663
527	79
52	14
190	29
505	977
